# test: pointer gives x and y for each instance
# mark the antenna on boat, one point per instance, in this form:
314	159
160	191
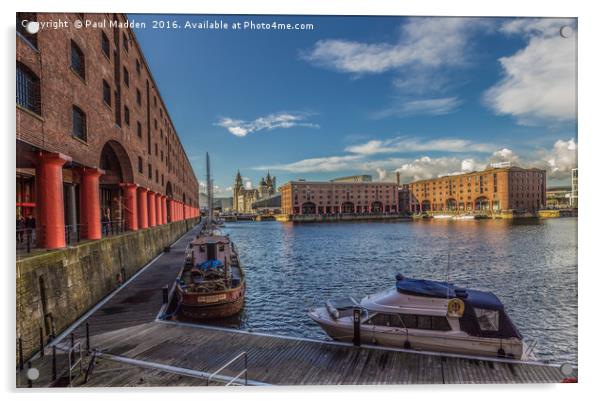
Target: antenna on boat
448	265
209	224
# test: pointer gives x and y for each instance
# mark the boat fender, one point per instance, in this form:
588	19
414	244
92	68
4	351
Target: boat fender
455	307
334	313
501	353
407	345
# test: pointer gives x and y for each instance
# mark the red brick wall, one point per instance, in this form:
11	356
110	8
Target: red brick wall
61	88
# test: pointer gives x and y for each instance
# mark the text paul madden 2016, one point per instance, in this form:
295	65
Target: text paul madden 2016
220	25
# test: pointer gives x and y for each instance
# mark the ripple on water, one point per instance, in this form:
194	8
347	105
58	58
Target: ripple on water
531	268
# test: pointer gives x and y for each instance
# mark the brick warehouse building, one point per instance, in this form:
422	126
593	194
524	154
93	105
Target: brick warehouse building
93	134
492	190
305	197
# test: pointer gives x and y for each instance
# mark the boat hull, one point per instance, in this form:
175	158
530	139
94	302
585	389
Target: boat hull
420	340
215	305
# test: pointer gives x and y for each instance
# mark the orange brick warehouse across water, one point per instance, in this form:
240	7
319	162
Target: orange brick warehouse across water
96	146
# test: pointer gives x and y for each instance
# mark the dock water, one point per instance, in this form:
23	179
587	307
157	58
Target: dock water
137	348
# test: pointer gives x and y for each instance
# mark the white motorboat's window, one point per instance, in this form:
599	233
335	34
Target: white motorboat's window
410	321
489	320
386	319
424	322
221	247
201	248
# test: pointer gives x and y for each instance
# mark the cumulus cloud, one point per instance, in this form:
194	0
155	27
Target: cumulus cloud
504	155
242	128
557	162
247	183
217	190
539	81
560	159
407	144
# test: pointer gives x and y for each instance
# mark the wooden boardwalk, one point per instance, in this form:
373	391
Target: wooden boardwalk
125	325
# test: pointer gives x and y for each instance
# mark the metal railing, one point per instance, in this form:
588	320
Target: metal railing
76	359
235	378
28	239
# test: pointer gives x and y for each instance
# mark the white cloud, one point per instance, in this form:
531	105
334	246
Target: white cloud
217	190
247	183
406	144
539	81
560	159
242	128
318	164
504	155
557	162
432	107
423	42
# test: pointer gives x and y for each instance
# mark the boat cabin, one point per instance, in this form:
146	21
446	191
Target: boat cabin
431	305
209	248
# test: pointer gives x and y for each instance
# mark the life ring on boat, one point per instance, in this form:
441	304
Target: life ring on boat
455	307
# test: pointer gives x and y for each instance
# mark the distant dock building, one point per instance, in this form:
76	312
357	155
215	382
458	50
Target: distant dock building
319	197
495	189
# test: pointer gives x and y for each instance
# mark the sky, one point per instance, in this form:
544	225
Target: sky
422	96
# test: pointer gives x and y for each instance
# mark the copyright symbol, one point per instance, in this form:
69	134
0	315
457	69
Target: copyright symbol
78	24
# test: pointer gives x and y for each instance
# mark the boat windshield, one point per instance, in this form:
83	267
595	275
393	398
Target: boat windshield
489	320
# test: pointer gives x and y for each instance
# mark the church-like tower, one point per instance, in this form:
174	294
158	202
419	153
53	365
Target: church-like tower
236	190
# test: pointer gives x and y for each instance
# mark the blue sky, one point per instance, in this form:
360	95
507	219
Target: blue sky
370	95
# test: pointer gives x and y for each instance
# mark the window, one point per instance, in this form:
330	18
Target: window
126	77
139	129
138	66
156	149
22	18
126	113
78	62
489	320
140	167
150	171
125	43
138	97
386	319
155	123
106	93
105	44
423	322
79	123
157	176
28	89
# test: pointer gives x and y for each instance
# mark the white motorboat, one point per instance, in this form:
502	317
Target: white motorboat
426	315
442	216
464	217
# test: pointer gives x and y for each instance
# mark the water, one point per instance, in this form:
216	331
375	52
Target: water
530	265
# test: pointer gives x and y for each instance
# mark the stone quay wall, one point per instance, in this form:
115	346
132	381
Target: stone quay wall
55	288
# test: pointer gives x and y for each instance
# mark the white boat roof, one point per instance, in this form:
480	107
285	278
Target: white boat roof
210	239
392	301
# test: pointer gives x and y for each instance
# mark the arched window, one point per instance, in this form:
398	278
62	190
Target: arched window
28	89
78	61
79	124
